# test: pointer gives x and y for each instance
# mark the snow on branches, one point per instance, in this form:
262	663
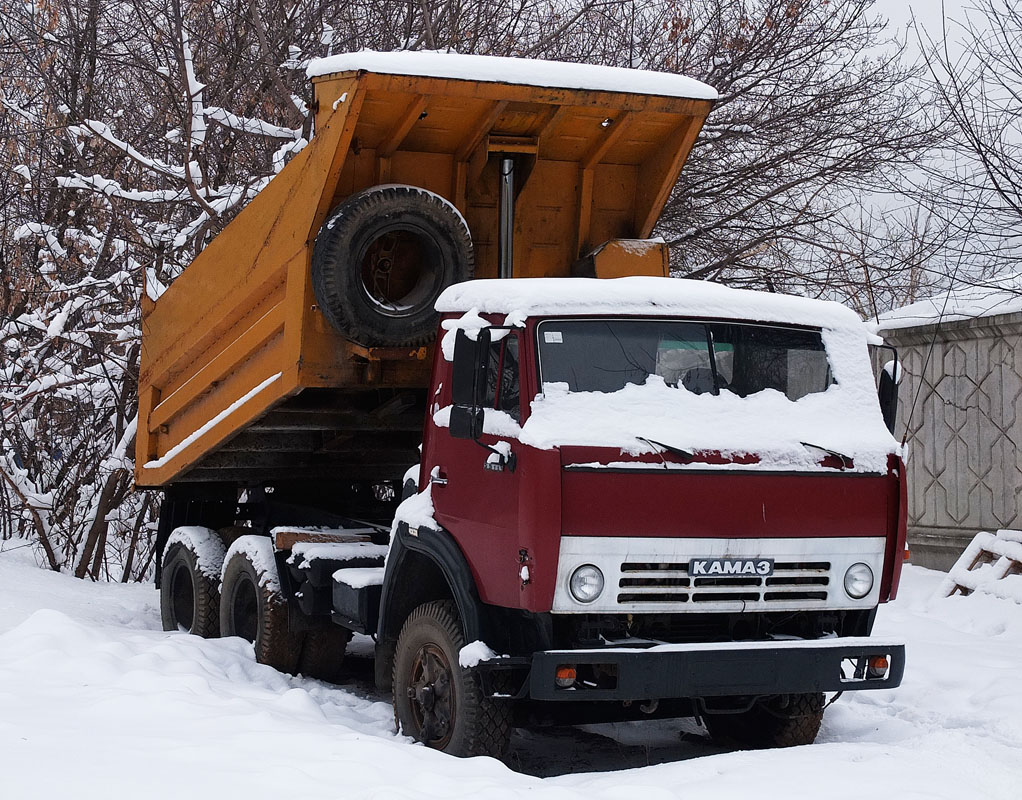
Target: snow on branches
124	164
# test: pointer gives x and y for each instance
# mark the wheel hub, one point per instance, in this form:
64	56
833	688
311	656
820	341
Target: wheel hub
183	597
432	696
245	609
400	271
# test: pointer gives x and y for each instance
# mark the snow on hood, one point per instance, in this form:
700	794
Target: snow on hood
766	424
522	71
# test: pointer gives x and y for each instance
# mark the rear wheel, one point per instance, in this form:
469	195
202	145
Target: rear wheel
323	653
253	607
783	721
435	700
190	582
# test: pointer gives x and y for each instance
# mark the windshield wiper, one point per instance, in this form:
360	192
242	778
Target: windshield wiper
846	461
686	454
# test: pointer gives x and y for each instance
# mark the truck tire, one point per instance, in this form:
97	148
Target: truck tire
437	702
323	653
786	721
382	259
253	607
190	589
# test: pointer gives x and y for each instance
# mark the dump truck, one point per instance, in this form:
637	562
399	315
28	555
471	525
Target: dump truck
435	385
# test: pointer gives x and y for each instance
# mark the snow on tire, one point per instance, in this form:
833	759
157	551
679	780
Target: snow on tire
436	701
253	607
190	581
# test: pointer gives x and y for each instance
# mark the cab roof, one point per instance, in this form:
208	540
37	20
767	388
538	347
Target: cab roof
643	296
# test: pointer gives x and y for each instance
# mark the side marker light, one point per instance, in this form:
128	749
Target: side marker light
565	677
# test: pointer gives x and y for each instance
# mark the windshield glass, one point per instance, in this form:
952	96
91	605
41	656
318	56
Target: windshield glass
605	355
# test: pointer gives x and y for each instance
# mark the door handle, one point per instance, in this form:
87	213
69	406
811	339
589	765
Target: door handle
438	480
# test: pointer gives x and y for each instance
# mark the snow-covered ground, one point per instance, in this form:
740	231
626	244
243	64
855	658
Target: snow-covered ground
97	702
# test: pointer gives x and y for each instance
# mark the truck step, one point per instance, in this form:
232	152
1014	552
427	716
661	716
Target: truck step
312	566
316	562
356	598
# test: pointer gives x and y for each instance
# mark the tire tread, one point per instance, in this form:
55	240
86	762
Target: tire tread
796	724
275	645
487	722
206	608
330	267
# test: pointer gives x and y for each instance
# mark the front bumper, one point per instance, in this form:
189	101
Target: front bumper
711	670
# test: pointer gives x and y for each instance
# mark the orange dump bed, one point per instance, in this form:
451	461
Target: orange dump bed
242	376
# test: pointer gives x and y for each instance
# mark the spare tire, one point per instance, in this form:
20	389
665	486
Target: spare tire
382	259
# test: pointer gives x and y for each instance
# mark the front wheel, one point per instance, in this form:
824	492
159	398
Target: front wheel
436	701
783	721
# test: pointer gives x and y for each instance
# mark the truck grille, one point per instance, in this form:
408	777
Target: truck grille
647	582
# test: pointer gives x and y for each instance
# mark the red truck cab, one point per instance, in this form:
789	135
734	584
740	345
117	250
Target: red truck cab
652	497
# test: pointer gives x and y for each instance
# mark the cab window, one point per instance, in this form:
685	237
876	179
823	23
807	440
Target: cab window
502	377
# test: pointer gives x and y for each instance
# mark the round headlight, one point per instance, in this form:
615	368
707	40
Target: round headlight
858	580
586	583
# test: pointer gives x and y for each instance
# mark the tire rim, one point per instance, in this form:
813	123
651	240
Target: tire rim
182	592
401	271
245	609
431	692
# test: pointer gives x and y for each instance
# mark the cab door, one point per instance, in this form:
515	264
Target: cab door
476	488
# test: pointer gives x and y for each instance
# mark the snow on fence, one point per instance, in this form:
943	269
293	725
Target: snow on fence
991	564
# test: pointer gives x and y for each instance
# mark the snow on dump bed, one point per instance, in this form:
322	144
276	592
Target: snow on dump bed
999	295
845	418
522	71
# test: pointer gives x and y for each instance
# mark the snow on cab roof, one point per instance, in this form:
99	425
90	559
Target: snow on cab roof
643	296
524	71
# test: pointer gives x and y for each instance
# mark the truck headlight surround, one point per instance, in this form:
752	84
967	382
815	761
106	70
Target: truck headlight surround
858	580
586	583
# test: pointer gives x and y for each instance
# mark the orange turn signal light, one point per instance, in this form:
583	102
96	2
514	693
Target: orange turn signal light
877	667
565	676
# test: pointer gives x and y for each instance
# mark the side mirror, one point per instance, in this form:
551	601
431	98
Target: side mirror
468	384
468	373
887	392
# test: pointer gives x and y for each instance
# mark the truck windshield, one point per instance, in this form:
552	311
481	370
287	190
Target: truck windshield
605	355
